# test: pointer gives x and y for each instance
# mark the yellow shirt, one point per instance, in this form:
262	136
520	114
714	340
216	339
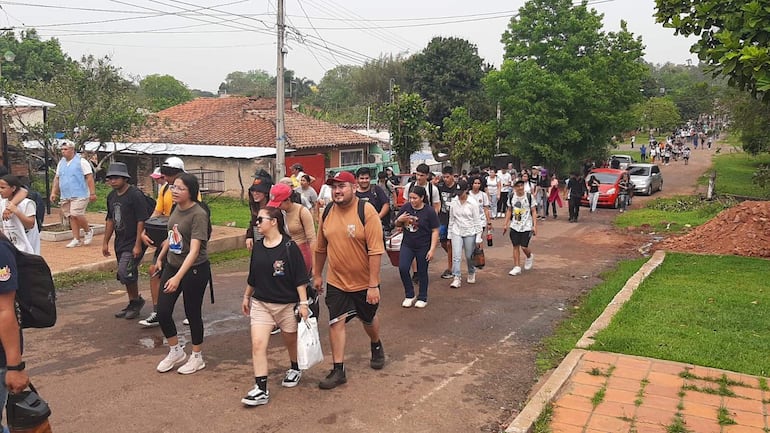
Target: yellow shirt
165	202
345	242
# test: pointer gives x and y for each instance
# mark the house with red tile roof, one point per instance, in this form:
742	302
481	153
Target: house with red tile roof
227	139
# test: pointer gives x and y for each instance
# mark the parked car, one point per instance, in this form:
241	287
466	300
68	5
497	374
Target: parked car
623	161
608	186
646	178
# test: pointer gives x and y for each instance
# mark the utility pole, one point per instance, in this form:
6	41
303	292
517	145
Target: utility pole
280	131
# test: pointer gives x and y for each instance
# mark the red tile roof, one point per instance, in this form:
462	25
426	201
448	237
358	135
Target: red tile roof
241	121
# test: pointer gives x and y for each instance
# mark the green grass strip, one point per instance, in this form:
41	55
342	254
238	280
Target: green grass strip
543	422
705	310
735	172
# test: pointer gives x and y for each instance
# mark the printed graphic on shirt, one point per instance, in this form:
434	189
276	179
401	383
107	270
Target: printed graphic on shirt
175	240
351	230
5	273
279	268
412	224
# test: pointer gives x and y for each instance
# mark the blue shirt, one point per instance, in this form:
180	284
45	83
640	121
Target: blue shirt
9	281
418	235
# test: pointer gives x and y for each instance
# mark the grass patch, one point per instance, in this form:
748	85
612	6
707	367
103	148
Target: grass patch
723	416
543	422
673	214
640	394
705	310
598	397
588	308
226	210
735	172
677	425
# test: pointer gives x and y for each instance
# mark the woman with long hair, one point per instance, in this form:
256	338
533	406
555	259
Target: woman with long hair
259	193
482	197
186	270
419	225
21	228
277	282
299	221
465	232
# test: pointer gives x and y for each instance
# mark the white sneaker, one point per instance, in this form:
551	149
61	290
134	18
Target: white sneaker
74	243
193	364
89	237
472	278
174	358
515	271
408	302
186	321
421	304
528	262
256	397
455	283
292	378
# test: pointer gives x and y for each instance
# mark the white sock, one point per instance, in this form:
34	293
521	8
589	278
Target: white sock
175	348
197	354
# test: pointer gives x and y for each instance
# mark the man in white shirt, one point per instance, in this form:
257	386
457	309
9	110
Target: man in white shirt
521	218
506	182
432	195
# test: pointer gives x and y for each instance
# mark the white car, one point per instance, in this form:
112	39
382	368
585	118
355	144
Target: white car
623	160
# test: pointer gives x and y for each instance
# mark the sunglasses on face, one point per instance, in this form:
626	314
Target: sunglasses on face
261	218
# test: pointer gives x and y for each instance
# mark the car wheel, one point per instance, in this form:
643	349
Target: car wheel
648	191
660	188
617	202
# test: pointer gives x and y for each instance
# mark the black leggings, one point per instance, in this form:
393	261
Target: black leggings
193	285
502	203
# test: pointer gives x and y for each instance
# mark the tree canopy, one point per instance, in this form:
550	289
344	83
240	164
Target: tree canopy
734	37
657	112
406	118
565	86
35	60
163	91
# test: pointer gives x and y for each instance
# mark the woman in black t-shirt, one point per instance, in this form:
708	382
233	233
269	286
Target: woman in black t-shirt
277	281
419	224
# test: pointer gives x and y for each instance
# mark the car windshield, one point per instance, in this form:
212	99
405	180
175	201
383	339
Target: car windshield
639	171
605	177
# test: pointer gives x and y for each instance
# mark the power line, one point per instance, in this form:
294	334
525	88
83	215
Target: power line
299	2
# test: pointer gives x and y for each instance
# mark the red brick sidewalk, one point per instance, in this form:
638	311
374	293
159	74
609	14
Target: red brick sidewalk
607	392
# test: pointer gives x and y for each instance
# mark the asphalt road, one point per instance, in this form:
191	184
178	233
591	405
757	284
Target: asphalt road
463	364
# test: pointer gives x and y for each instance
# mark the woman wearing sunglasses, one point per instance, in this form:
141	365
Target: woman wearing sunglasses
277	282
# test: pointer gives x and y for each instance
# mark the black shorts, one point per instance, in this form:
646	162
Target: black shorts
520	238
128	267
348	305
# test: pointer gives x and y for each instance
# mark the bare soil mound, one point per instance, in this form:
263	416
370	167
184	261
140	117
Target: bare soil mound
743	230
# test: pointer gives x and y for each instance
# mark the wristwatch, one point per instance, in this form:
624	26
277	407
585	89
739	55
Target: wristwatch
20	367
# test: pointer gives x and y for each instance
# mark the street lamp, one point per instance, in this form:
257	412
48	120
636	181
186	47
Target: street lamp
8	56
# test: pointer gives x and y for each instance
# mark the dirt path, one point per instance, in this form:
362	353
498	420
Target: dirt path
464	364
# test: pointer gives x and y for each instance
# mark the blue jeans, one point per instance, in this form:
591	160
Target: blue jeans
493	205
404	267
460	244
3	397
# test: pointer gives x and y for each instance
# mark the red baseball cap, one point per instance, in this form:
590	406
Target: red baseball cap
279	193
343	176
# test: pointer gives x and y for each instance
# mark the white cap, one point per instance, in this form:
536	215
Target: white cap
174	162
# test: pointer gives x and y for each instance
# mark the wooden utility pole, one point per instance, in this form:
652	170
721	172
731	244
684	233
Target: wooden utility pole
280	131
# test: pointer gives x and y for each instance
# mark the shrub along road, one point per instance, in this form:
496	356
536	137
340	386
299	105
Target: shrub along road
465	363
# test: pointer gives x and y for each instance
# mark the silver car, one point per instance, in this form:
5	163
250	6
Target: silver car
646	178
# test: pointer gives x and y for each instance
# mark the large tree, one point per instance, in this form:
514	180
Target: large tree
447	73
163	91
734	37
252	83
565	86
657	112
406	118
468	140
35	60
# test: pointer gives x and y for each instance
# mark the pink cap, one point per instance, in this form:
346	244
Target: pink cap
279	193
156	173
343	176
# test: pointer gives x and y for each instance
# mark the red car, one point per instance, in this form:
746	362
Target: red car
608	186
404	180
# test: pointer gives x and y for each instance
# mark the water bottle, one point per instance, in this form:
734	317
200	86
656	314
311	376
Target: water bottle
489	237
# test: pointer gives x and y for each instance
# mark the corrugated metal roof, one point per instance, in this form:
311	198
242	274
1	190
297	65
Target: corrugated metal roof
214	151
24	101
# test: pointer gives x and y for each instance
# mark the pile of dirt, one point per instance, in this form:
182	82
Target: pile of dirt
743	230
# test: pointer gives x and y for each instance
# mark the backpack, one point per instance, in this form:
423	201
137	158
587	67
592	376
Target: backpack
361	214
529	200
39	207
429	194
150	203
36	294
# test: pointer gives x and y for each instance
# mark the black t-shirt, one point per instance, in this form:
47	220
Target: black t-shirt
418	234
447	194
376	196
126	211
593	184
275	272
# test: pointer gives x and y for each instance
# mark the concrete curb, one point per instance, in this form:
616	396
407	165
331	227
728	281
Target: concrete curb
226	243
535	406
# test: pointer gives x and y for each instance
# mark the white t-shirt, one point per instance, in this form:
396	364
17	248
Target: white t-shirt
23	239
483	199
506	182
521	212
492	185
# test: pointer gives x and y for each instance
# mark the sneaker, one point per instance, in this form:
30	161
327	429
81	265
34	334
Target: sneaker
292	378
89	237
186	321
447	274
455	283
472	278
122	313
276	330
407	302
134	308
421	304
173	359
378	357
515	271
194	363
256	397
528	262
151	321
334	379
74	243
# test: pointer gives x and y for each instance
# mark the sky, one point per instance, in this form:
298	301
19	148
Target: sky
200	41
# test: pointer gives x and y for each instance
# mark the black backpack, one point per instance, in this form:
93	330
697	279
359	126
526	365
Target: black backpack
36	294
149	202
39	207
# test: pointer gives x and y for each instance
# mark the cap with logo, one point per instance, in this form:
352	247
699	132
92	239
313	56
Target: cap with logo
343	176
279	193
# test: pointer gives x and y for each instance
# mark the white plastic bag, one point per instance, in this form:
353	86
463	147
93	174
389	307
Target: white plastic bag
309	351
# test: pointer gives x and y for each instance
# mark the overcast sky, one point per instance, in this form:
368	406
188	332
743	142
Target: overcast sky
200	41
